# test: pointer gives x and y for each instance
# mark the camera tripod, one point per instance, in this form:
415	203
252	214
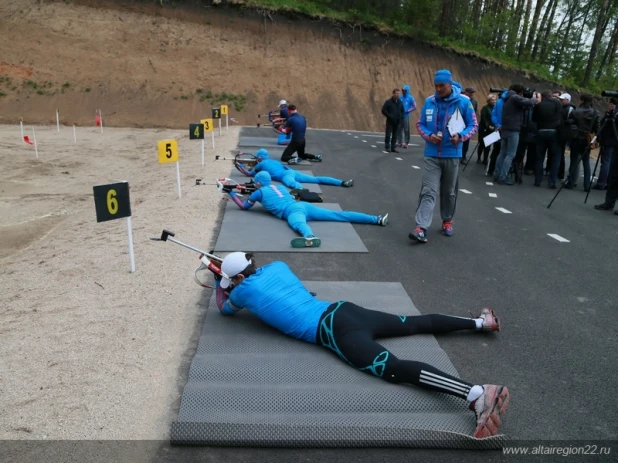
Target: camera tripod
580	158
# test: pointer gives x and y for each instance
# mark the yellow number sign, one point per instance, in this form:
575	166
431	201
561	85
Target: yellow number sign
208	125
112	202
223	109
168	151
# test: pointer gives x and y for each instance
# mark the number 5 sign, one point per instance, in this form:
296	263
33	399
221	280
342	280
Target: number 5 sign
168	152
112	202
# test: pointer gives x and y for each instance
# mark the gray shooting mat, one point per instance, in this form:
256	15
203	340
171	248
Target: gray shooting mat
240	178
257	230
250	385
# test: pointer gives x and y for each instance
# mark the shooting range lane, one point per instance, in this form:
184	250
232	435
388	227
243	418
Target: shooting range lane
251	386
553	297
258	142
257	230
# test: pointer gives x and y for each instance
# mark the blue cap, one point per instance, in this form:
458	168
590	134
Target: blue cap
263	178
262	153
443	76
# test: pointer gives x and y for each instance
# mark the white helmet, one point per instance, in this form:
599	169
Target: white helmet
282	102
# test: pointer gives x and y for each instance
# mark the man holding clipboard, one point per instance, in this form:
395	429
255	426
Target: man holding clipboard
446	121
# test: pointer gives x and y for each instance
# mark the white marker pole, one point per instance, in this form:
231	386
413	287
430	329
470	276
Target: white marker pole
219	126
178	177
57	121
202	152
21	127
131	256
227	124
213	139
36	150
74	134
101	119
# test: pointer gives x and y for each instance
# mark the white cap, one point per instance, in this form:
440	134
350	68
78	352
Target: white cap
232	265
565	96
282	102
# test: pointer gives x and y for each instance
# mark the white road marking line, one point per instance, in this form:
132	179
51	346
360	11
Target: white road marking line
355	136
373	146
399	159
489	183
558	237
503	210
385	152
465	191
415	167
369	135
349	133
493	195
364	141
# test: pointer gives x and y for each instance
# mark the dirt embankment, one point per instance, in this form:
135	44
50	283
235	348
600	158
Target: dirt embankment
149	66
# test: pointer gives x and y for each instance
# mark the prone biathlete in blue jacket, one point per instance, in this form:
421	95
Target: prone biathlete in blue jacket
289	177
277	200
277	297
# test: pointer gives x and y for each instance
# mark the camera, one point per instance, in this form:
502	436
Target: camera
529	92
610	93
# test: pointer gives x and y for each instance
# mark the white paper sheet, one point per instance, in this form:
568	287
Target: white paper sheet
456	123
491	138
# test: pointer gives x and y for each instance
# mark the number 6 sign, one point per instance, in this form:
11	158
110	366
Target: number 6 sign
112	202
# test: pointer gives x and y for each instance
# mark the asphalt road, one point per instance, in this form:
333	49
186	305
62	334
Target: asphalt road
557	300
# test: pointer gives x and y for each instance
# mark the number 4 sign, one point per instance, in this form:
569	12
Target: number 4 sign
112	202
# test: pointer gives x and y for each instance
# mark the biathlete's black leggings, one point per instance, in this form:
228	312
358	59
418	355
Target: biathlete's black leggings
351	331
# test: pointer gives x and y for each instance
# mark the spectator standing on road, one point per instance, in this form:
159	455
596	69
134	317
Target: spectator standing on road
486	127
409	105
393	111
608	140
512	120
612	186
442	152
567	109
469	92
548	117
587	121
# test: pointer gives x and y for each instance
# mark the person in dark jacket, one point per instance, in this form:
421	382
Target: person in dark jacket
548	116
567	109
587	120
486	127
608	140
393	111
297	125
512	121
469	92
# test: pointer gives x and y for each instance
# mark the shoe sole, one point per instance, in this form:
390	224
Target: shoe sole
416	238
305	243
491	421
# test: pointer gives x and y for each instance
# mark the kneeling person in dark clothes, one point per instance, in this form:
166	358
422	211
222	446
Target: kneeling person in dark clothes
276	296
297	125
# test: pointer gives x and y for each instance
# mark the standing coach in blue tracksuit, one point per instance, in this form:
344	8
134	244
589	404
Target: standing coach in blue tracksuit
409	105
442	152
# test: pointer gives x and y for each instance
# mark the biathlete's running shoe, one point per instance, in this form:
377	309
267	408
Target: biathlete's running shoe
490	321
492	403
309	242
